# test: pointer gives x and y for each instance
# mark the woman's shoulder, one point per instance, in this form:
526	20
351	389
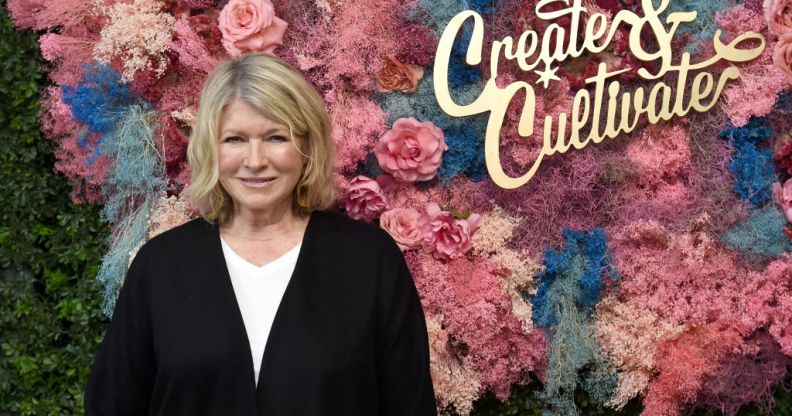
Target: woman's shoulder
336	226
182	239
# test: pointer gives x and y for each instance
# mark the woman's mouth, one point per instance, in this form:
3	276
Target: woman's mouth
256	182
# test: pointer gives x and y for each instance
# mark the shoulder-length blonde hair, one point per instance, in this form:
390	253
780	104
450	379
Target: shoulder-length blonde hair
280	93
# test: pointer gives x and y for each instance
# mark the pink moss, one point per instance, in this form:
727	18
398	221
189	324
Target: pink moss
684	364
487	336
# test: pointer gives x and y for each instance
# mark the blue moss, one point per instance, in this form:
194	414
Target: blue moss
752	161
465	154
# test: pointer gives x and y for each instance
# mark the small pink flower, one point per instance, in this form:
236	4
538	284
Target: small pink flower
402	225
364	199
411	150
782	55
778	14
250	25
444	236
783	197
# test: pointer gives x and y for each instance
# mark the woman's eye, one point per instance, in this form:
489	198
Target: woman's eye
232	139
278	139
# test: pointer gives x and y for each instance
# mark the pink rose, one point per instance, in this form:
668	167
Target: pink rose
782	55
250	25
444	236
402	225
364	198
778	14
411	150
397	76
783	197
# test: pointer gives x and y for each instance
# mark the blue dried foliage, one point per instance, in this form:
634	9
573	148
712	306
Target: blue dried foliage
135	180
570	286
100	99
129	235
137	170
760	237
752	161
572	275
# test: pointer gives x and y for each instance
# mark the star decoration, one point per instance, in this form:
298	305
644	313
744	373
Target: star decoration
547	75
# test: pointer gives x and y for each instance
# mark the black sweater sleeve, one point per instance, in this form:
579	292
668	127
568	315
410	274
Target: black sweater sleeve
122	377
405	384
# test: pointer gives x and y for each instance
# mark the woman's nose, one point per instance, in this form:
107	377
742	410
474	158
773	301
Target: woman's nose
256	156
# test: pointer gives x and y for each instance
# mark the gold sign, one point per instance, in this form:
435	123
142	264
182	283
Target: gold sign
661	103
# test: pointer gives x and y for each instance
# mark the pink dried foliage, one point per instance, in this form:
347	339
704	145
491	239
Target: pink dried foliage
777	293
454	384
746	378
683	366
73	163
137	37
754	93
172	143
46	14
662	152
68	51
564	191
488	337
347	47
418	44
629	336
179	92
56	116
686	276
191	48
357	124
170	211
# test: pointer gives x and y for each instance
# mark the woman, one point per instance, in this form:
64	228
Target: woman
267	304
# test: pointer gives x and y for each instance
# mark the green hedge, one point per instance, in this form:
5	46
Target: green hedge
50	319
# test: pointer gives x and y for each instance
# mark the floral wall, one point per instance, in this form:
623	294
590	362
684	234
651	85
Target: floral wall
654	266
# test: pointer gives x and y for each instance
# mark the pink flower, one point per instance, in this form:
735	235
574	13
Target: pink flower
783	197
778	14
402	225
782	55
364	198
411	150
250	25
444	236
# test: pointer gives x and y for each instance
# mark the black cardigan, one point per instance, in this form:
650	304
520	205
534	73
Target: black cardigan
349	337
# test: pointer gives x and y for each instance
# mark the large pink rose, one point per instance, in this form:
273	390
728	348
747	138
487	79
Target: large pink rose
782	55
778	14
444	236
783	197
250	25
402	225
364	198
411	150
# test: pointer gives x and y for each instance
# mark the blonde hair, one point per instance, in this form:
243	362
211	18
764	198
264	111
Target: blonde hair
280	93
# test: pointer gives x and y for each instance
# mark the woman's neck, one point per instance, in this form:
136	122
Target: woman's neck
264	227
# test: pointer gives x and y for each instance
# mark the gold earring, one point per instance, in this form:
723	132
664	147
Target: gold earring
301	200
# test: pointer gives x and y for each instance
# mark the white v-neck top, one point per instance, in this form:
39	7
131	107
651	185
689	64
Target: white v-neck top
259	291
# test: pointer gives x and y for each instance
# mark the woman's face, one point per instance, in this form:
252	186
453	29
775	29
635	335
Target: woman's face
259	163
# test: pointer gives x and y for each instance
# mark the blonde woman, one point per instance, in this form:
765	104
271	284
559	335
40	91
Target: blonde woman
268	304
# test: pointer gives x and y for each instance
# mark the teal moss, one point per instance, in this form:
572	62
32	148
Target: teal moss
760	236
